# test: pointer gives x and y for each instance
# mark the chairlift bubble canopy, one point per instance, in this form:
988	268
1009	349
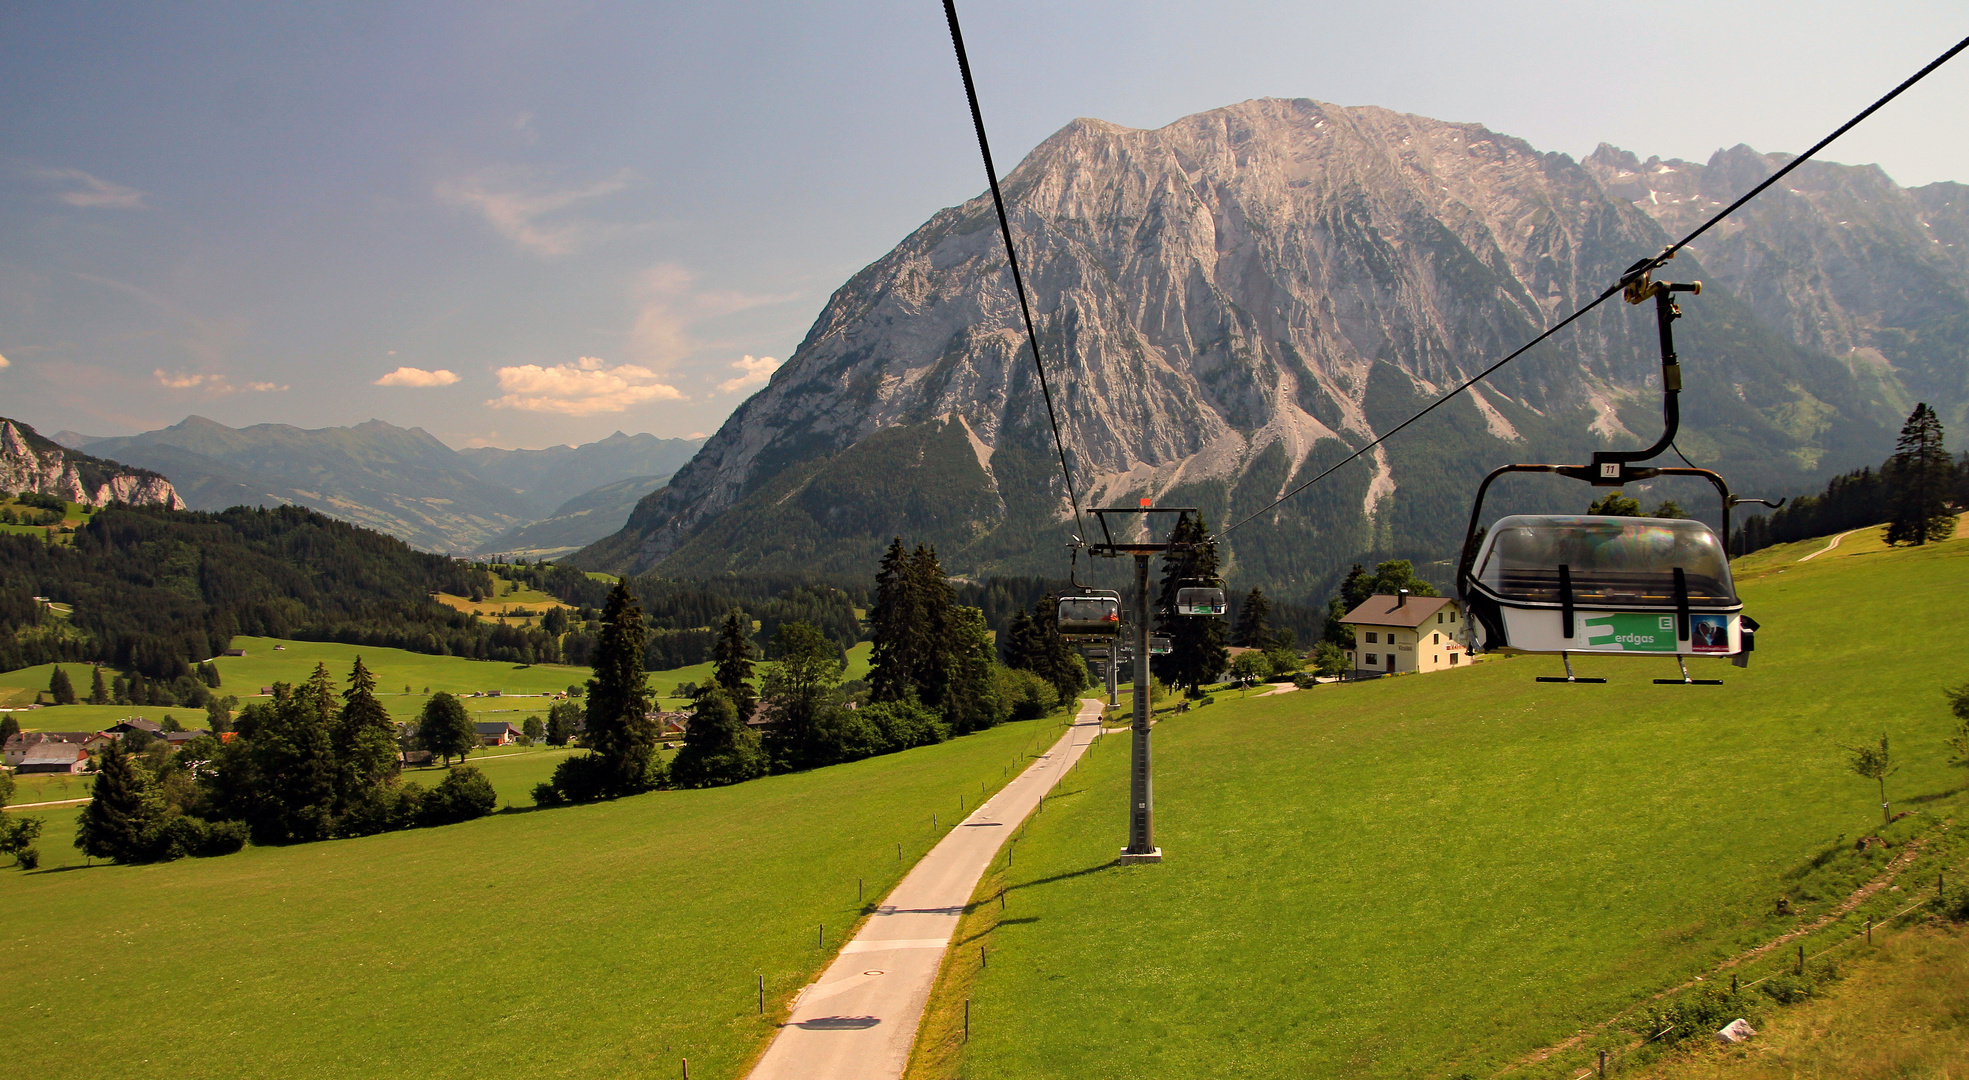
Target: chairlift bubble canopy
1089	616
1200	601
1599	584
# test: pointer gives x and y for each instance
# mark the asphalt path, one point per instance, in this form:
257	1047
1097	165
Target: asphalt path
859	1019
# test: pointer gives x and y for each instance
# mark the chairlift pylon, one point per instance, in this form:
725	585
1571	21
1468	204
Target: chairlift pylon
1609	585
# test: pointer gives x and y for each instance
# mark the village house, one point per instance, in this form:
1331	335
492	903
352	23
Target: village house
1400	633
17	745
497	733
134	723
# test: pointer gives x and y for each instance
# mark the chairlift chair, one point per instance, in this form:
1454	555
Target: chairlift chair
1159	645
1093	615
1196	600
1624	586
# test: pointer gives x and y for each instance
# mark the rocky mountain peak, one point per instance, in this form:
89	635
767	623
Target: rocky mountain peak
29	462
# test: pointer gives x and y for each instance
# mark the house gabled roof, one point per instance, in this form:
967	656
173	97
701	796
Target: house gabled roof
57	752
1380	610
136	722
25	739
495	727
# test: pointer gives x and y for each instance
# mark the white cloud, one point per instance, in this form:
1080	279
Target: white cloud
4	362
753	372
92	192
518	213
211	384
410	376
583	388
183	381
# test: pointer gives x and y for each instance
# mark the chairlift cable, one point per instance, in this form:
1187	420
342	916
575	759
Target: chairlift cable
1634	273
1012	255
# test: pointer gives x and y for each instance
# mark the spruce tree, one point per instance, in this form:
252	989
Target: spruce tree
1253	630
933	637
620	730
60	688
1196	654
113	822
732	661
295	765
98	693
971	701
365	739
893	627
1920	478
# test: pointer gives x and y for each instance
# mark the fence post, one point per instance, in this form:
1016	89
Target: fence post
687	1069
762	995
1801	959
967	1019
1733	985
1869	931
1603	1063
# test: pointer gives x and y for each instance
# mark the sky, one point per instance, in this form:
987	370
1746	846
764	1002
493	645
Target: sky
521	225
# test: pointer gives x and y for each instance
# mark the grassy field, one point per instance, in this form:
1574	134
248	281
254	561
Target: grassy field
615	939
522	687
1900	1010
1428	875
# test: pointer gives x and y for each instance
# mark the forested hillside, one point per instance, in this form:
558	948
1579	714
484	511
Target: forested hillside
155	590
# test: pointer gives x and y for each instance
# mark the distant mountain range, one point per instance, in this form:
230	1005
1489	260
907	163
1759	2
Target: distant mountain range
398	481
1233	302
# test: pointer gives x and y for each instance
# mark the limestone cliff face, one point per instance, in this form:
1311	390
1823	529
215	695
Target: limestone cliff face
29	462
1838	257
1225	304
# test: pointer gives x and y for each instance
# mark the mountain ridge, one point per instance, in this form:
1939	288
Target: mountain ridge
1229	304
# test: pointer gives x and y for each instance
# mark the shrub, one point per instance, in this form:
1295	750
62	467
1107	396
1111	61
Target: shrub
465	794
220	838
1691	1015
1786	989
545	795
582	778
900	725
1026	695
1304	681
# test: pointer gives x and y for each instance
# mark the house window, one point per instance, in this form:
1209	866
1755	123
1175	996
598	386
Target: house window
1439	616
1438	639
1452	614
1372	638
1436	659
1452	659
1373	660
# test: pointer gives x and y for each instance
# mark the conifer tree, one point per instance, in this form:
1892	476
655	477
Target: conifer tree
732	661
1196	653
620	730
893	626
112	823
294	762
1253	629
1920	478
60	688
365	738
933	645
1059	663
98	693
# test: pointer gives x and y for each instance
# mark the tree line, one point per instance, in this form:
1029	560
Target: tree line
310	764
1918	490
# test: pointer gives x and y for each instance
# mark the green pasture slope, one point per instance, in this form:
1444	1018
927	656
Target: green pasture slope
605	940
394	669
1435	874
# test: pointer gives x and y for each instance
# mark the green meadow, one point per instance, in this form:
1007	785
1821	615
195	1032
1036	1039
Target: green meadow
610	939
1436	874
268	660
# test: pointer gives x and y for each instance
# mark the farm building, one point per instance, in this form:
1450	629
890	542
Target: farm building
497	733
53	757
1405	633
134	723
18	745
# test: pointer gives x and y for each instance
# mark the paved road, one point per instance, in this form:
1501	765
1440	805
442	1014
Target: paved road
1835	543
858	1021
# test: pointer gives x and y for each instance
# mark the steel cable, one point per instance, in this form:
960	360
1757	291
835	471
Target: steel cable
1012	256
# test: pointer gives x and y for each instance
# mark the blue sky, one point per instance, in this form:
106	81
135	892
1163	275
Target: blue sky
524	224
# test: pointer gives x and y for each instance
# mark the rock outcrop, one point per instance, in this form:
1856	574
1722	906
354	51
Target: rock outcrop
29	462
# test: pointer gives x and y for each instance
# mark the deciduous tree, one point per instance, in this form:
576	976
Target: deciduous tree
1874	763
718	747
445	728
